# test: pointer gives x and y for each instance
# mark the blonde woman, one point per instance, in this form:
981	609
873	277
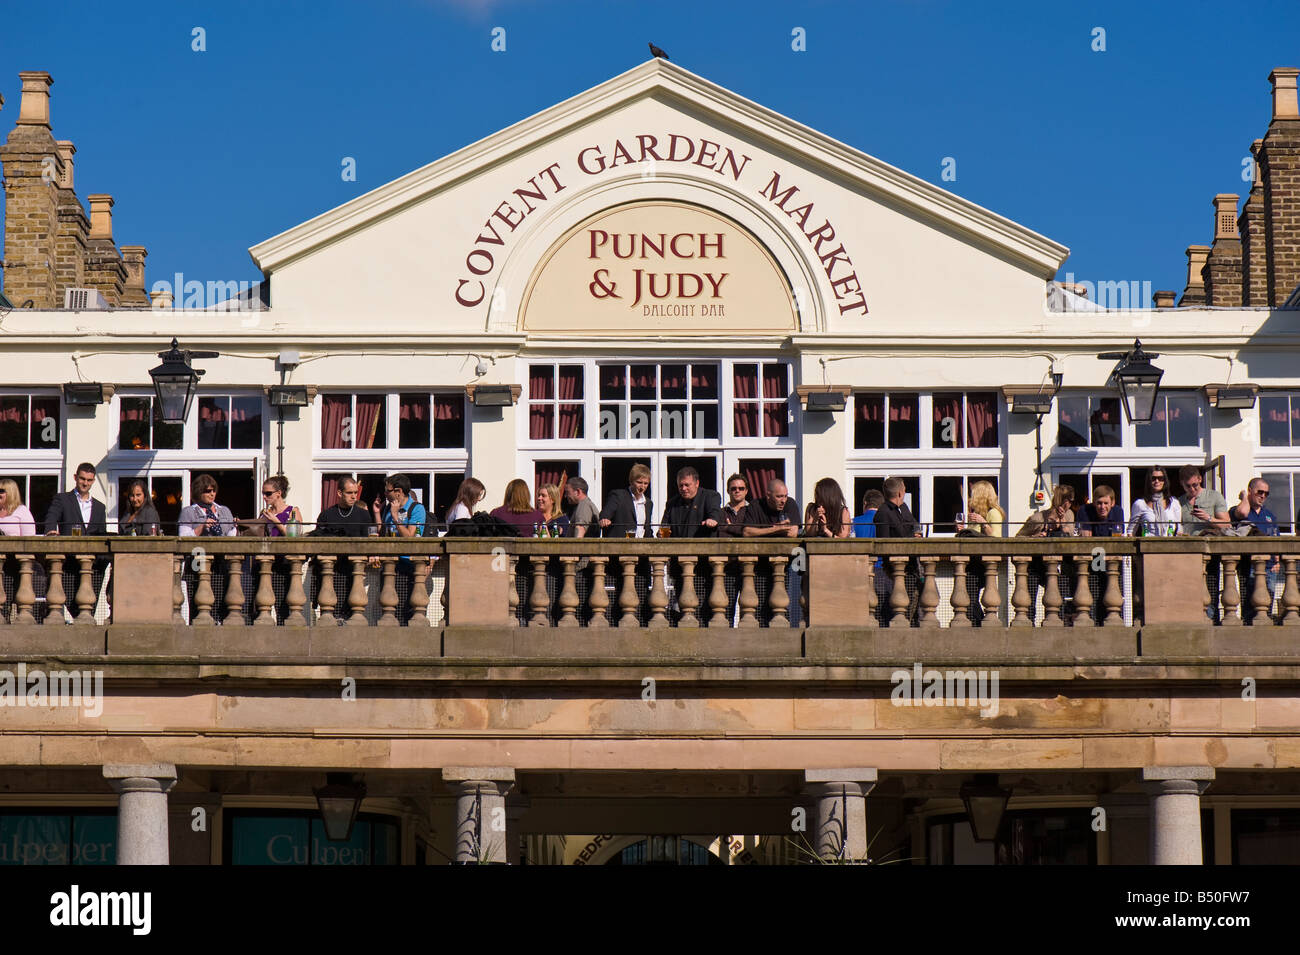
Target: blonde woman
548	502
15	519
983	515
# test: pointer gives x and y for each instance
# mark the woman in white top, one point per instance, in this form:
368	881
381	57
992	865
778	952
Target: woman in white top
1157	508
15	519
470	493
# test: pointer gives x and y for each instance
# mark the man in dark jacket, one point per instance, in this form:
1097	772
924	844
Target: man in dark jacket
346	518
894	519
629	510
76	511
693	511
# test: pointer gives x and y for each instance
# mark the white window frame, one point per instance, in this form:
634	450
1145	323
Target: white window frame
925	475
927	456
38	457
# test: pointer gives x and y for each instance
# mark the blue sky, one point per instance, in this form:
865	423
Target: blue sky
1114	153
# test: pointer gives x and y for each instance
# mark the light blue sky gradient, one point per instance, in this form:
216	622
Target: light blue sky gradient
1115	154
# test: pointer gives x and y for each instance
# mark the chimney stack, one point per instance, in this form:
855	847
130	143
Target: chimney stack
162	298
104	268
1222	275
1279	159
1194	294
1164	298
133	257
32	172
1254	253
74	229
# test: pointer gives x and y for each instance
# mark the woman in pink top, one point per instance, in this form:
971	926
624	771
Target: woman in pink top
15	519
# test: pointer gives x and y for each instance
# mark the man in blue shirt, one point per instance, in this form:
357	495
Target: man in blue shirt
864	524
1103	517
403	517
1251	511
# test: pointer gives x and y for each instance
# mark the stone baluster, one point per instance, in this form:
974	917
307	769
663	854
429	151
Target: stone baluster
539	601
235	591
1020	595
929	593
295	597
598	599
960	599
54	595
898	599
25	595
204	598
4	600
512	598
388	592
1113	599
991	599
779	598
265	599
86	595
658	593
1206	600
1082	594
1231	592
748	593
1261	598
687	599
420	592
718	592
178	594
327	598
357	592
568	610
873	601
628	602
1052	600
1290	594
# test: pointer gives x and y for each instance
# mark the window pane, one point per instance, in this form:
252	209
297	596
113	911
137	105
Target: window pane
370	430
947	431
612	383
643	381
1183	431
704	381
246	422
41	489
673	381
1295	422
613	423
776	380
641	423
214	423
570	383
949	500
165	492
166	437
1071	413
904	421
776	419
413	425
1279	498
982	419
704	421
133	424
336	411
1274	422
541	422
571	421
1105	423
673	423
745	419
45	422
541	382
745	384
1153	433
13	422
869	421
449	421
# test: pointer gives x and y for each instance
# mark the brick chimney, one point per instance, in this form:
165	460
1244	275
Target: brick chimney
1222	274
1279	159
1164	298
32	170
1194	294
1254	253
74	229
104	267
133	257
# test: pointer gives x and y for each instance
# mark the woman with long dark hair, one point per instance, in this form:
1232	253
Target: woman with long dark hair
142	518
1157	509
471	491
827	515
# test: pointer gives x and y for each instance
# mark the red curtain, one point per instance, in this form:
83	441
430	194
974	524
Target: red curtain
870	407
214	410
414	408
14	412
643	377
757	474
540	422
902	407
541	381
448	407
775	382
672	381
746	382
611	382
365	429
981	420
329	490
947	404
551	472
744	410
334	408
134	409
776	420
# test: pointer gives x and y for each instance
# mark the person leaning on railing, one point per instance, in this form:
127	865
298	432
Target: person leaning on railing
1157	512
984	518
827	515
205	517
1056	521
15	519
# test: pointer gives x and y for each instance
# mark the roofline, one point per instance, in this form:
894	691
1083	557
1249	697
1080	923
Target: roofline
1043	255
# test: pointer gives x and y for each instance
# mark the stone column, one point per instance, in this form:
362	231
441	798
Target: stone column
1176	812
141	811
481	820
838	798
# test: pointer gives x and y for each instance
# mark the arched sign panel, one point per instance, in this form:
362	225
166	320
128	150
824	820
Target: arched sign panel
658	267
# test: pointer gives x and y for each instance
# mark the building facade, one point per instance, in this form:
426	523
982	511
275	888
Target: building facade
656	271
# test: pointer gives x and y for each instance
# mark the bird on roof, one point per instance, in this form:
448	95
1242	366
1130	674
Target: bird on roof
655	51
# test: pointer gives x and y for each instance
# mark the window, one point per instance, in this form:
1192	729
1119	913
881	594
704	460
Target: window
886	420
269	837
58	837
229	422
1283	492
443	486
764	415
29	422
1174	423
353	422
665	402
964	420
38	491
951	496
430	421
1088	421
555	407
1279	421
141	428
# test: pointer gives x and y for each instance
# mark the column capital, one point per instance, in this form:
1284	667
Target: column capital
860	776
1158	780
141	777
462	774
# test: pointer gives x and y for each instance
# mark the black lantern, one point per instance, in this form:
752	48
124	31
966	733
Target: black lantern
174	382
985	803
339	800
1138	380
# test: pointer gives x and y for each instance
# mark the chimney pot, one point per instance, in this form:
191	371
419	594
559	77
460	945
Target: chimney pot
34	107
1225	216
1284	93
101	217
162	298
1196	256
66	152
1164	298
133	292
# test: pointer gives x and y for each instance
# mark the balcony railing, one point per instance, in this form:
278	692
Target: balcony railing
936	583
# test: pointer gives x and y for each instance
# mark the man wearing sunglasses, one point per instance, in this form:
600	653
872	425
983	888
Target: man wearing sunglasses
1252	512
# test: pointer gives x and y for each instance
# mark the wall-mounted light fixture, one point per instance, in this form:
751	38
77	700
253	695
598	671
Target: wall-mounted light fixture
1229	397
83	394
288	396
493	396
